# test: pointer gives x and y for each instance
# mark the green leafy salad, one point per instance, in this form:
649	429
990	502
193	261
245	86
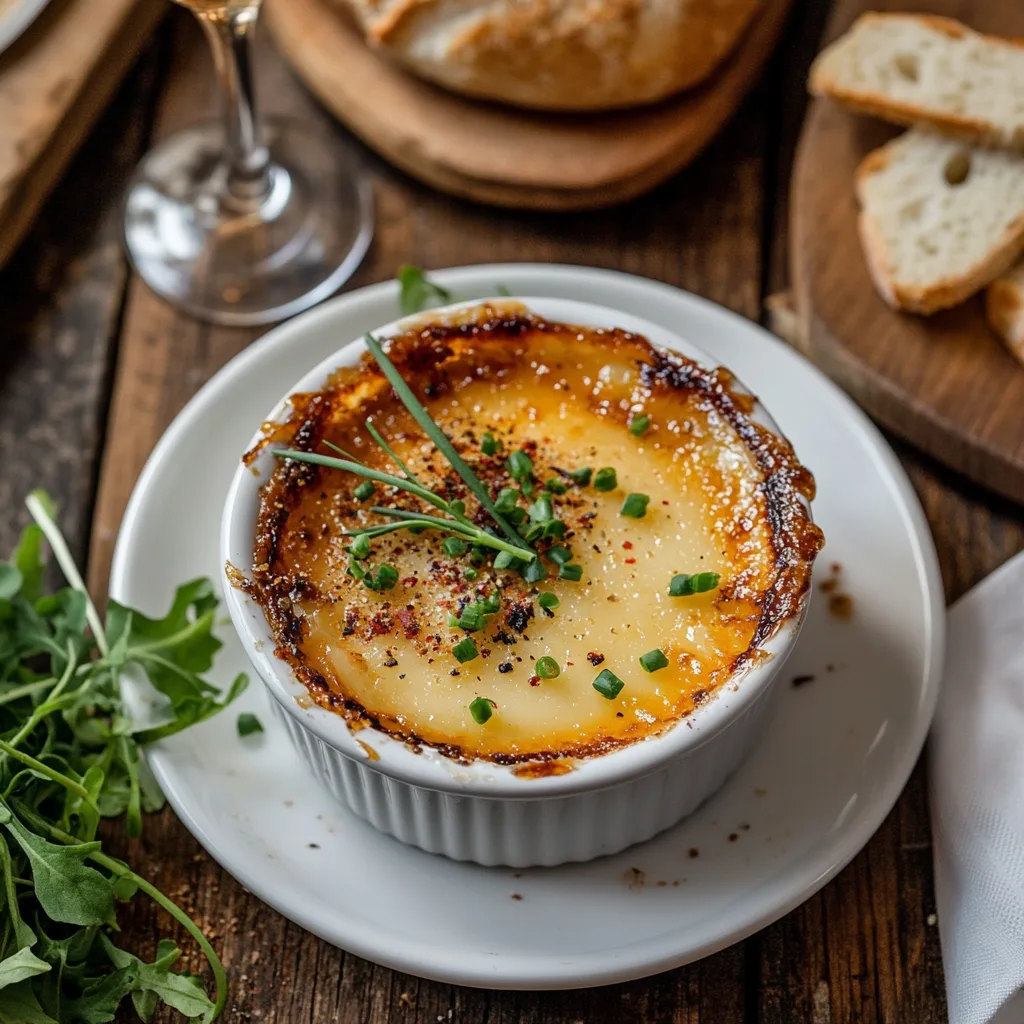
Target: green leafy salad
69	756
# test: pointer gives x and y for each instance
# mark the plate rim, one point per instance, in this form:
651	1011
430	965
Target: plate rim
17	19
649	957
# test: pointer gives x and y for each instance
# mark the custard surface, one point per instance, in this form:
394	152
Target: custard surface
565	395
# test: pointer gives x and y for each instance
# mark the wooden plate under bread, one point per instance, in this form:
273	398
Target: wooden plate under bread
500	155
944	382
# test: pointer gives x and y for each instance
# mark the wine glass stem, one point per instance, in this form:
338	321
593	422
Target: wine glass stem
248	163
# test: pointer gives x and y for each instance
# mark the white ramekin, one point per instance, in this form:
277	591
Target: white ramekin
482	812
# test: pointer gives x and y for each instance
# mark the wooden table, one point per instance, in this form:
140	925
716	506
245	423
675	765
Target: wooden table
93	368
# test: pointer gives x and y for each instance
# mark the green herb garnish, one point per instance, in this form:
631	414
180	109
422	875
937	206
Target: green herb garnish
654	660
638	425
581	476
559	554
635	506
574	573
481	709
548	601
470	574
454	547
507	500
489	445
418	292
248	724
364	491
547	668
384	578
519	465
608	684
360	546
465	650
534	571
69	756
684	585
556	486
606	479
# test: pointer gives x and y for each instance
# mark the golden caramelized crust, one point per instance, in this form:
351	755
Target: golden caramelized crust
724	497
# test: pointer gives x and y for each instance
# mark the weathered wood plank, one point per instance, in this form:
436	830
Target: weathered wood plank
701	231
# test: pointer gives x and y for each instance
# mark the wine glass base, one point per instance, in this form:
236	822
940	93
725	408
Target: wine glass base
247	264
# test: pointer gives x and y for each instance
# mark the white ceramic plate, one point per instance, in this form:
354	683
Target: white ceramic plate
15	17
830	766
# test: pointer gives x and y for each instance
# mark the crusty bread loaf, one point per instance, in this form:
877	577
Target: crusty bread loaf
915	69
939	219
558	54
1004	306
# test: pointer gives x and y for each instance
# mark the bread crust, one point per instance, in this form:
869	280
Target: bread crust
945	292
570	55
1004	310
910	115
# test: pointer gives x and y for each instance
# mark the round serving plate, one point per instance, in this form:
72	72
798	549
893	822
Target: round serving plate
833	759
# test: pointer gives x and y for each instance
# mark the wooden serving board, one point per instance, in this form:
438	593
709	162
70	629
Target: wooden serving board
945	382
54	82
498	154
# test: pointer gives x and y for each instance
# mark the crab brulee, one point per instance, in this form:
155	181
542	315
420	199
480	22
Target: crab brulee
514	540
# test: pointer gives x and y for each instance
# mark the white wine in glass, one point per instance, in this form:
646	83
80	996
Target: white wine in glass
239	222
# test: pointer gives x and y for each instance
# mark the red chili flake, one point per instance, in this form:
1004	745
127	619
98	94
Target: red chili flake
628	545
630	561
410	581
535	680
594	658
407	618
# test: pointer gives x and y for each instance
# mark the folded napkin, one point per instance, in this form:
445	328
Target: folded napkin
977	802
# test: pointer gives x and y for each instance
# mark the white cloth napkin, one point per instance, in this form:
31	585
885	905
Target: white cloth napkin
977	802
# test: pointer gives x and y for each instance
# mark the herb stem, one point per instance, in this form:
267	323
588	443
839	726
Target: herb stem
41	514
477	535
46	708
27	690
201	625
44	769
375	434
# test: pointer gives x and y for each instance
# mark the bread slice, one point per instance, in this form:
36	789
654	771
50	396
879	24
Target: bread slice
939	220
1004	307
915	69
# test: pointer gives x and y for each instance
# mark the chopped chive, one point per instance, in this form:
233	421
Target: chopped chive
489	444
638	424
355	570
248	724
526	487
581	476
532	532
508	498
481	709
364	491
559	554
554	528
684	585
503	560
470	574
606	479
517	516
534	572
465	650
547	668
457	507
454	547
548	601
541	511
653	660
492	603
519	465
360	546
635	506
608	684
556	486
472	618
453	621
570	572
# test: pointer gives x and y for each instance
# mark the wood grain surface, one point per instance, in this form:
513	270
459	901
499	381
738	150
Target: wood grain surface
944	382
500	155
94	367
54	83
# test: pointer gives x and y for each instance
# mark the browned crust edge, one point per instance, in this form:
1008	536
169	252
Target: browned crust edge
422	352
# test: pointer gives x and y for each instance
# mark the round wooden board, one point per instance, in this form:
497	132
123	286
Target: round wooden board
944	382
501	155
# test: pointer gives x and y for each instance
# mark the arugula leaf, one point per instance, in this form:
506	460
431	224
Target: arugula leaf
21	965
418	292
28	560
18	1003
23	935
11	581
67	889
248	724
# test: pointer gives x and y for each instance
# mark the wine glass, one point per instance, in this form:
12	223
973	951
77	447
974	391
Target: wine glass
241	223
